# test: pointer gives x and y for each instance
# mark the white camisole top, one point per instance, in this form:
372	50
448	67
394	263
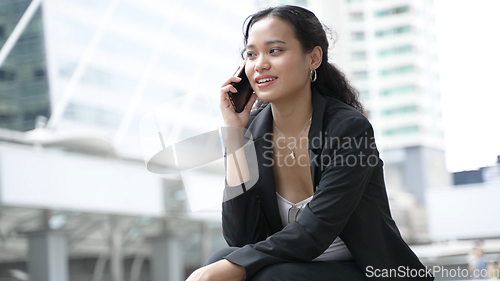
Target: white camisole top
337	251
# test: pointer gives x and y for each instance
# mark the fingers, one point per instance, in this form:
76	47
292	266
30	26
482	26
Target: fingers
229	88
224	92
231	79
226	87
226	104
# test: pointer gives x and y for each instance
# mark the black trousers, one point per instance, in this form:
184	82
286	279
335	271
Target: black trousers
300	271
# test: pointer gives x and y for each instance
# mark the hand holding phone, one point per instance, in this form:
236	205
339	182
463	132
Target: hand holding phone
239	99
232	107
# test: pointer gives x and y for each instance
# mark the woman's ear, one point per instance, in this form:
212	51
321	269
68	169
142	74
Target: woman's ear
316	57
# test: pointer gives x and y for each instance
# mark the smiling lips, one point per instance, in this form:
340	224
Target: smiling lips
265	80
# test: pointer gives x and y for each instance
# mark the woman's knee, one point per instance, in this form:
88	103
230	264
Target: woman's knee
219	254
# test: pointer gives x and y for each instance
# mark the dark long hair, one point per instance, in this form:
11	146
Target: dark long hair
310	32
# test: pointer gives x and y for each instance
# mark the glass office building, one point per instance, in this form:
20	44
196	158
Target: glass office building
24	90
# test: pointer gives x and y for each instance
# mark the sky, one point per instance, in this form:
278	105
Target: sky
469	61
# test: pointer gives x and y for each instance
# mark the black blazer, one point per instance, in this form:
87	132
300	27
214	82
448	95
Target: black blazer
349	201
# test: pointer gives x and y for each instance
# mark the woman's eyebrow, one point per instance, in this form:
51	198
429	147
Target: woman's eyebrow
267	43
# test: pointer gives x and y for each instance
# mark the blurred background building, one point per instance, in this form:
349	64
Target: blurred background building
388	49
77	78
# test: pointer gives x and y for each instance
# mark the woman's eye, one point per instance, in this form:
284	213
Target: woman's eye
250	55
273	51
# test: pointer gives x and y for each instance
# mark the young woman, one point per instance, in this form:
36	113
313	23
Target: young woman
315	205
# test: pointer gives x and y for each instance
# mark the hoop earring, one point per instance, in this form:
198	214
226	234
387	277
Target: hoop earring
313	79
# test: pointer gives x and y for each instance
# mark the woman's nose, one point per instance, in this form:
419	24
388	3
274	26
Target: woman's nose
262	64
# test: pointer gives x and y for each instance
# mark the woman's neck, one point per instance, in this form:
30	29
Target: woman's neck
292	115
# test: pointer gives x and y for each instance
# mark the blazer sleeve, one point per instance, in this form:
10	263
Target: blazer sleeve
243	221
346	173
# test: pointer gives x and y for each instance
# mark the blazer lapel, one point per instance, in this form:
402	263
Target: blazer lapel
316	136
261	129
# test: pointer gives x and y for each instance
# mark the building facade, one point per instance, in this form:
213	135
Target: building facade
388	51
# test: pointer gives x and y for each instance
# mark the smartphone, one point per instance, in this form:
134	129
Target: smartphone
240	99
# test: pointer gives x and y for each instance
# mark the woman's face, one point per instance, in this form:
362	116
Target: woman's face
276	66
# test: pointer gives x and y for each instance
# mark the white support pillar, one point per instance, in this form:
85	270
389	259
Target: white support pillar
116	244
48	255
206	239
166	258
